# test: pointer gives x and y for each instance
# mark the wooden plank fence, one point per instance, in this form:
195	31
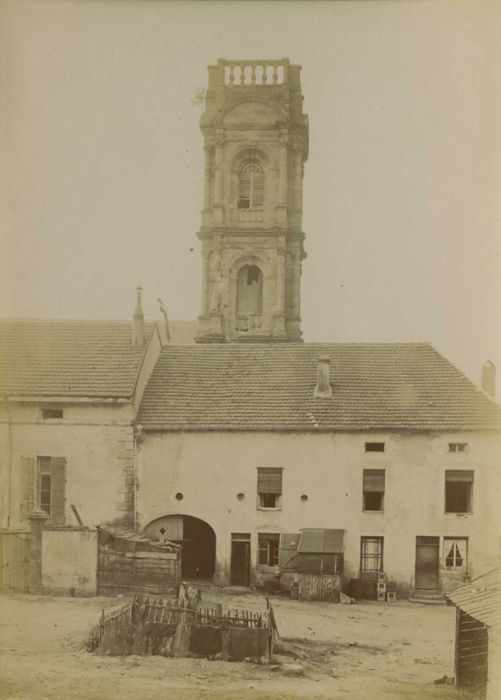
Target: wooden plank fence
471	657
14	560
147	625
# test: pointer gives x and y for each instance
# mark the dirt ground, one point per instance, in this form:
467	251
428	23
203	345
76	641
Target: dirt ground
368	650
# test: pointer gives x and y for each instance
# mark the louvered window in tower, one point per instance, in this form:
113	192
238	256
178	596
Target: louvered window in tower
251	185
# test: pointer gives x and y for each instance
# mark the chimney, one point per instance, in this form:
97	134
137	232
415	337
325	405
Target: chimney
489	378
323	388
138	321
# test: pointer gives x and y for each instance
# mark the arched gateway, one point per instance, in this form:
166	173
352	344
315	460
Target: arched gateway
197	538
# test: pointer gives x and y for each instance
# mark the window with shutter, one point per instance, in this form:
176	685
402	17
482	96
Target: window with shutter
43	486
269	487
373	489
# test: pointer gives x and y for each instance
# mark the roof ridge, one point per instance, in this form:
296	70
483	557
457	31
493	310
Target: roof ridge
71	320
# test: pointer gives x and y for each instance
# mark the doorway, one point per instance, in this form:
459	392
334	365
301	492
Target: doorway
197	538
427	563
240	559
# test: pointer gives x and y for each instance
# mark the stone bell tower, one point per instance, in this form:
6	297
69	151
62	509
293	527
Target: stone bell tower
255	142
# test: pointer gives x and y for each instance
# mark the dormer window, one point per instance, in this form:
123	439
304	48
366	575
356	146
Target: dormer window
251	185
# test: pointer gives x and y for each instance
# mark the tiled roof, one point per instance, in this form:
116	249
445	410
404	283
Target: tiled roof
271	387
481	598
68	358
182	332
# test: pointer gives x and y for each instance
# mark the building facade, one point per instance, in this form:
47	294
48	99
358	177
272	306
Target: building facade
402	454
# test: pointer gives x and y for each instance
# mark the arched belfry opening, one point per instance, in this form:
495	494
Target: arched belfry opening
197	538
249	298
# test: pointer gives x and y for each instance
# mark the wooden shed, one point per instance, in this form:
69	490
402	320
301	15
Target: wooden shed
477	661
130	562
317	564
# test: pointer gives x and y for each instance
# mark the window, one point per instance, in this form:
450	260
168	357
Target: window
269	487
455	552
371	556
374	446
373	489
44	487
251	185
458	447
268	549
458	490
48	413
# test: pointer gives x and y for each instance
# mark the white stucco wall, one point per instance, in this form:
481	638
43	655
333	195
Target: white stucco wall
211	468
69	561
97	442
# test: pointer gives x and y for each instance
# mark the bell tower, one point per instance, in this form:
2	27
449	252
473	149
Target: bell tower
255	142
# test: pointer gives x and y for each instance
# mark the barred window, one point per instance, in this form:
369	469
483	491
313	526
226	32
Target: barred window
371	555
251	185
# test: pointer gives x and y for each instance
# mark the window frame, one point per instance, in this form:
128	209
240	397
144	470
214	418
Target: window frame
269	544
452	539
375	472
45	467
47	410
457	448
262	494
370	446
364	540
469	497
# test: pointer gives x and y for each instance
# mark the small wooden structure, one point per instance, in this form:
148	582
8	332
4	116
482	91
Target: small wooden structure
317	565
478	634
183	627
129	562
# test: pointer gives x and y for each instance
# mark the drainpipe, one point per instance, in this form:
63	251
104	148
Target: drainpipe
9	460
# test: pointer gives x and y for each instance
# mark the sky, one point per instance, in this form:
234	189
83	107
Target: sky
102	161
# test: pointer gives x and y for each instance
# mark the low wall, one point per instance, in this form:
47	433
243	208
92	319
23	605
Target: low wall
69	561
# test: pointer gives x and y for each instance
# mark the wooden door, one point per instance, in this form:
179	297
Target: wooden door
240	560
427	563
14	560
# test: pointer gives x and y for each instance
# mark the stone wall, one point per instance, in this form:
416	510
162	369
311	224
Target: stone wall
69	561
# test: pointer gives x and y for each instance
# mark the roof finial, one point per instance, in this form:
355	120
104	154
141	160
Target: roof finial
138	320
166	319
